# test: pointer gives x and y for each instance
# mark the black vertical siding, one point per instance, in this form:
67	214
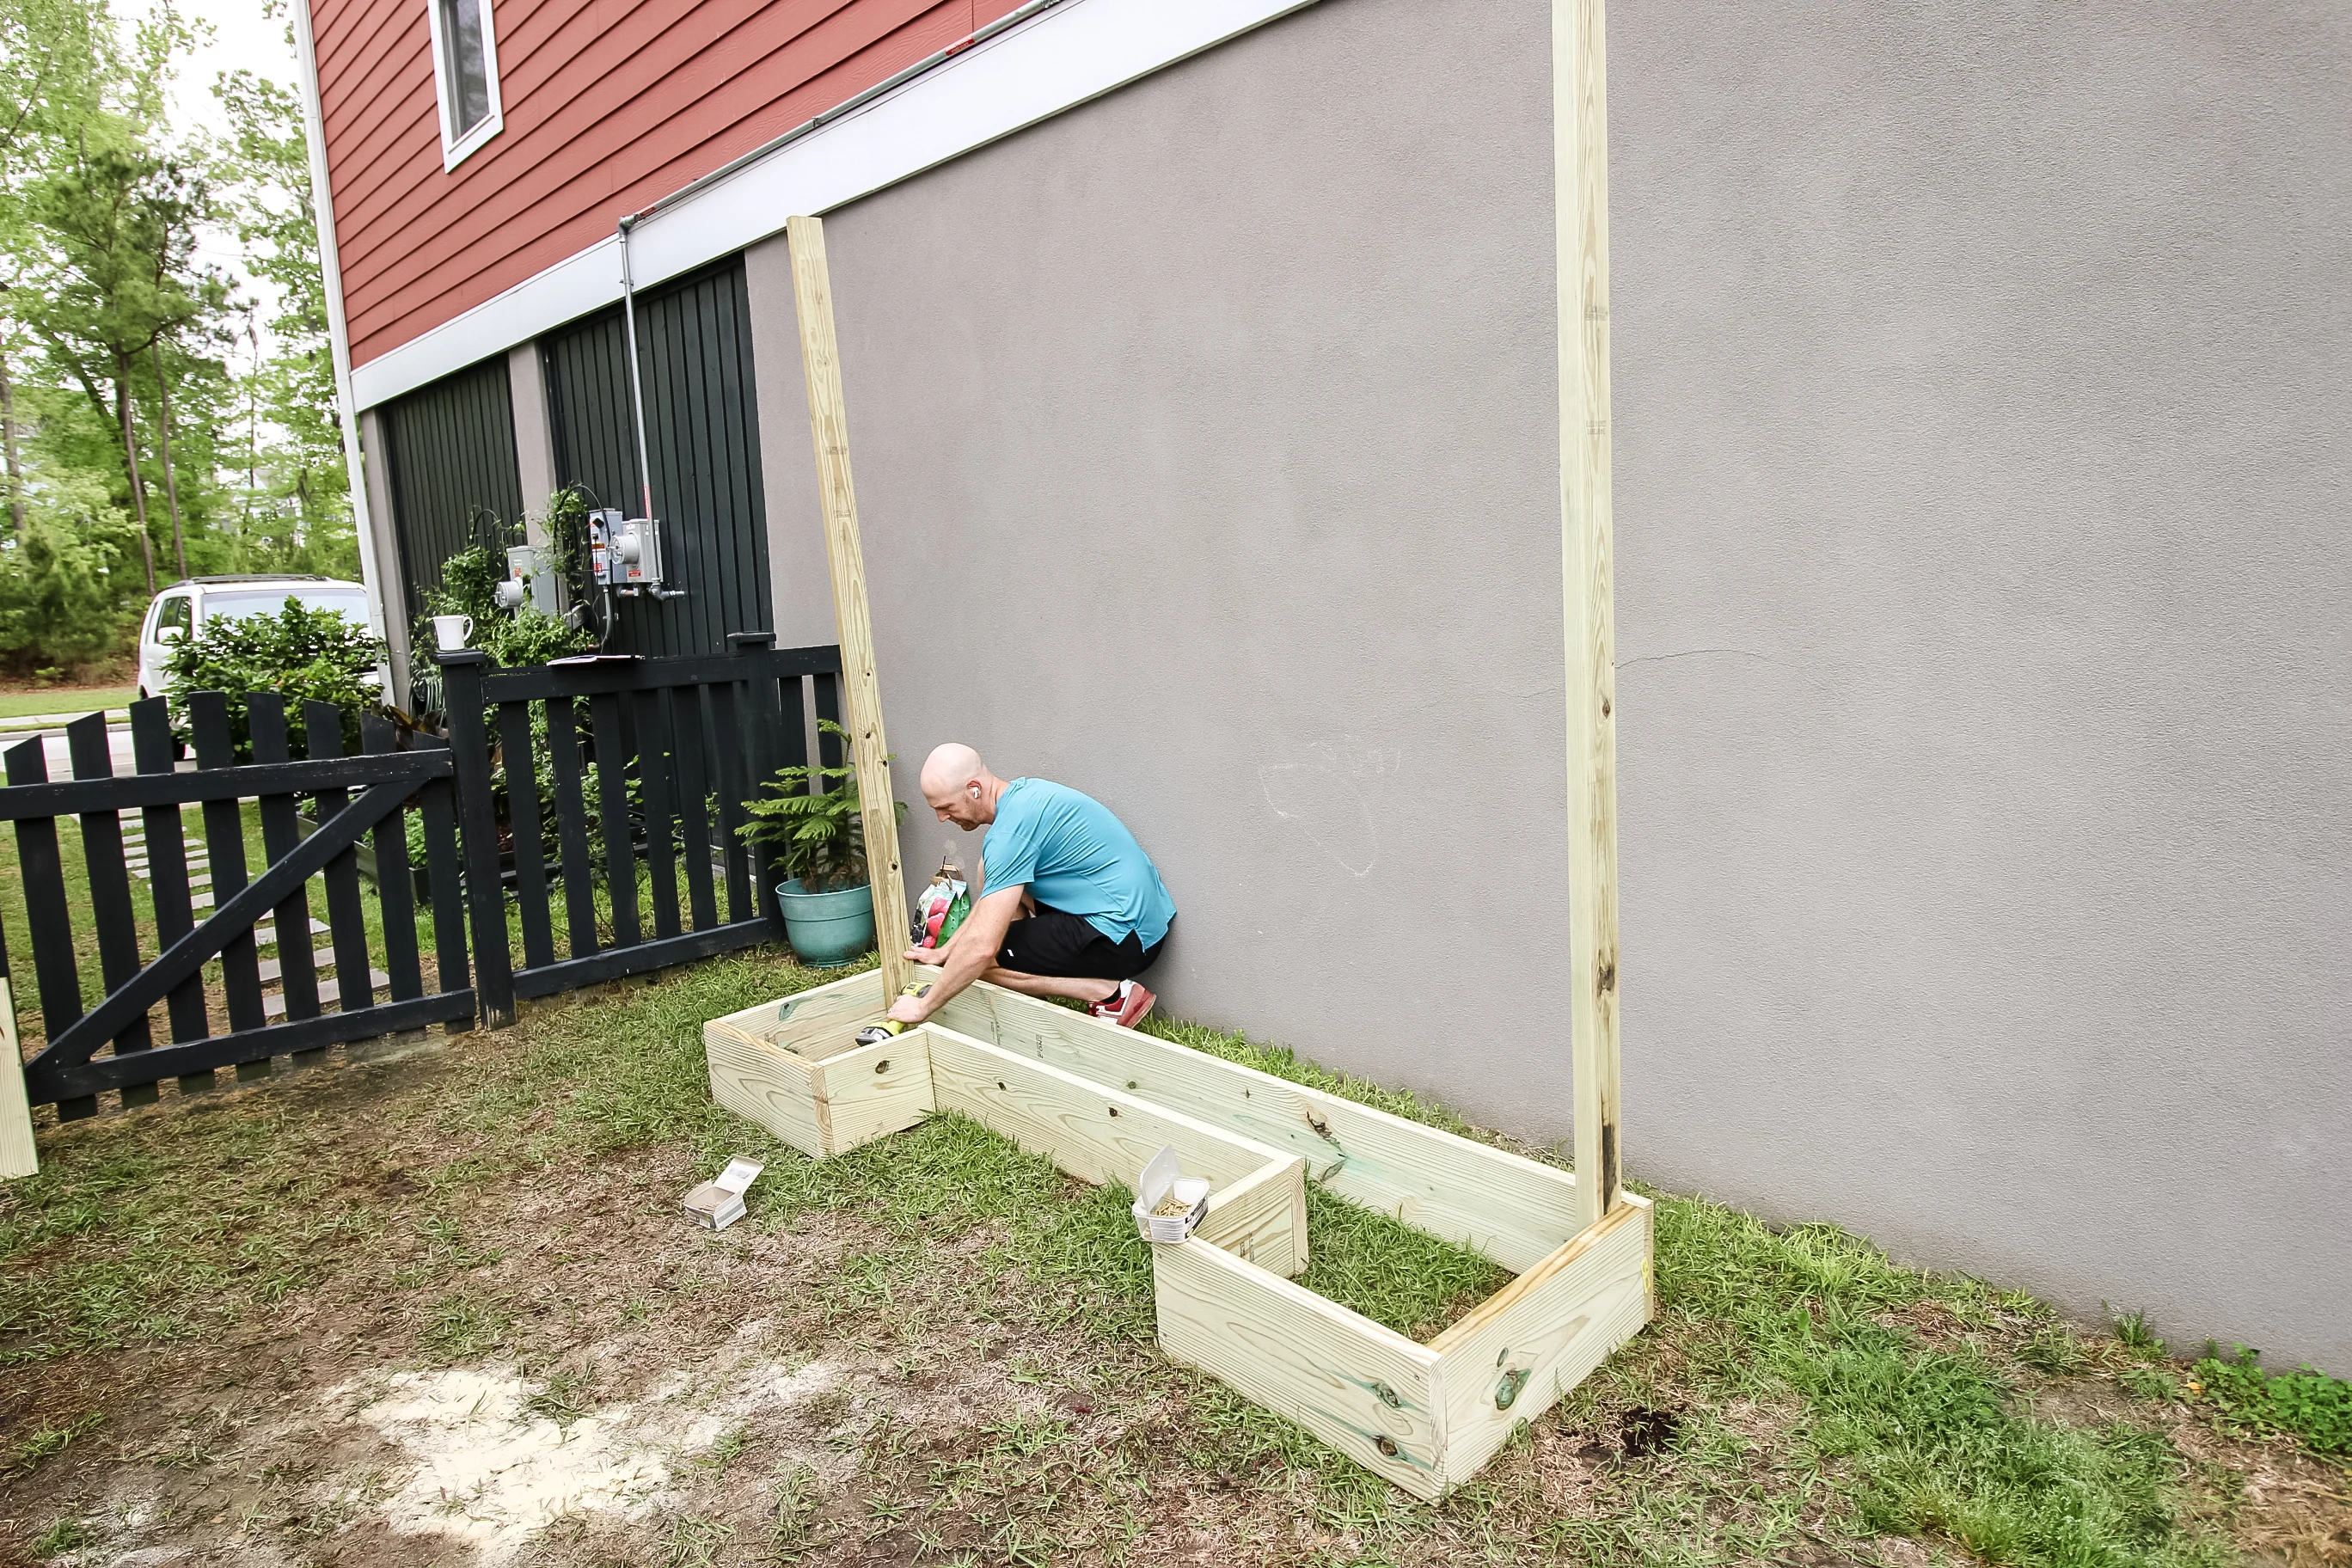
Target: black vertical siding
451	452
702	425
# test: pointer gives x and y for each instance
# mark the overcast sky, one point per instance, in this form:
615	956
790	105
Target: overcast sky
242	36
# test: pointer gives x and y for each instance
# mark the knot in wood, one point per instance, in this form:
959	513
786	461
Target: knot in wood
1507	1393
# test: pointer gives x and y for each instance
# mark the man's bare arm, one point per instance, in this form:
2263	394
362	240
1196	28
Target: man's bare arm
969	955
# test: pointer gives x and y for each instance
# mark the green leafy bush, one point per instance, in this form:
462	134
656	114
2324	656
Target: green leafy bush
469	580
821	837
305	655
2308	1404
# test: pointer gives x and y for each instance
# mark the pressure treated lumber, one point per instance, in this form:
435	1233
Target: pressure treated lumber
1099	1134
18	1157
1510	1208
1580	174
797	1020
765	1084
861	688
1365	1390
1532	1341
1262	1219
821	1107
1099	1101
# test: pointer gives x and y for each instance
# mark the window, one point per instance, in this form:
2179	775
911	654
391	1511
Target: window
170	613
466	69
249	602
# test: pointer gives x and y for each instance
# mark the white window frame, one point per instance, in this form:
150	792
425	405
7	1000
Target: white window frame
455	149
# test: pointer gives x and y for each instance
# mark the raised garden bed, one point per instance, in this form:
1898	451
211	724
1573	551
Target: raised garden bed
1101	1100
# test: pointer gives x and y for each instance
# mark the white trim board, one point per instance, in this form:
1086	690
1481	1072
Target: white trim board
1057	60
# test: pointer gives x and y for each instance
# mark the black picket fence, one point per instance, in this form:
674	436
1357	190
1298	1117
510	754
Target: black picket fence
578	796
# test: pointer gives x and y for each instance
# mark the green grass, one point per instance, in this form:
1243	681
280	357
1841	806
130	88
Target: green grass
75	700
1798	1389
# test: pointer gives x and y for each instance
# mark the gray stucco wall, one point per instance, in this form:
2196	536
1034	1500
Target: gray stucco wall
1985	690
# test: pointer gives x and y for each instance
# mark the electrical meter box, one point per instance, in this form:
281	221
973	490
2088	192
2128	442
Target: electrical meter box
639	555
531	574
626	552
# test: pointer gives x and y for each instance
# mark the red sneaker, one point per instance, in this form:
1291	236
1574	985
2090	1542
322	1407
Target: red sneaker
1125	1006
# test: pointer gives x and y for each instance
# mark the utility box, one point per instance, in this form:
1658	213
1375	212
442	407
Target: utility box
638	555
625	553
531	575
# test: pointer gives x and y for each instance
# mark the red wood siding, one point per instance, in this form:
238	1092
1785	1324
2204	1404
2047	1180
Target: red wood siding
608	105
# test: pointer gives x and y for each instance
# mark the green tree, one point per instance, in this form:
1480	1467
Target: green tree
298	496
120	277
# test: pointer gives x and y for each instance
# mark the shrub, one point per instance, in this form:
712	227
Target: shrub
306	655
470	579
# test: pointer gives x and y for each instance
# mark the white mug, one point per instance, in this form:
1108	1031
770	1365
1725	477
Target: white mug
452	631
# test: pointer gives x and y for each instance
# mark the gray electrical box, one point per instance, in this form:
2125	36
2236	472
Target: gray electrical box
638	553
530	572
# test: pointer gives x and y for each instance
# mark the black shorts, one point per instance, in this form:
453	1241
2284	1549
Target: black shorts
1055	942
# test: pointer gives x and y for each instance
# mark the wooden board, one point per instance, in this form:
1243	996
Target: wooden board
18	1156
1100	1101
874	1090
1095	1133
767	1085
1262	1220
1532	1341
808	1022
829	428
1366	1391
1510	1208
1580	170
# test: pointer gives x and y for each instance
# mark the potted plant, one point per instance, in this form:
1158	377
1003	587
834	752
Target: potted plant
828	901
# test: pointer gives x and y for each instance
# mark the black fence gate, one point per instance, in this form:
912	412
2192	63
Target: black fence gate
614	778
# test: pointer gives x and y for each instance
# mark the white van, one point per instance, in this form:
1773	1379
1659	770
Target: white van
187	605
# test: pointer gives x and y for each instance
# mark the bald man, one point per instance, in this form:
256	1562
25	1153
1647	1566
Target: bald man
1069	904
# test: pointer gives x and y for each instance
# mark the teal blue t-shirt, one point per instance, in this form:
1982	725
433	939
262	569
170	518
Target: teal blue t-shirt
1072	854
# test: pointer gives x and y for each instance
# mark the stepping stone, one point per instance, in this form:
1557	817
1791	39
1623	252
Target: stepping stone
264	935
274	1005
324	958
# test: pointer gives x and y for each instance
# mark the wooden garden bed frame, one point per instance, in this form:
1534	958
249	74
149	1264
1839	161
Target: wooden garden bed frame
1100	1100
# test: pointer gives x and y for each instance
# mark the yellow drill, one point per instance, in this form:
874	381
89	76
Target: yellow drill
889	1028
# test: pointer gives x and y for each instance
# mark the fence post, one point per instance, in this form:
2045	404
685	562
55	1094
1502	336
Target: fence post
18	1157
469	747
758	749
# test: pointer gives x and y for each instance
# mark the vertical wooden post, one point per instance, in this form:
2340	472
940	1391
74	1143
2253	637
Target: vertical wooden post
1581	173
862	692
18	1156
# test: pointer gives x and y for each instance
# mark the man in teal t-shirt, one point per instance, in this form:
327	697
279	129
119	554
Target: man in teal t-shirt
1069	904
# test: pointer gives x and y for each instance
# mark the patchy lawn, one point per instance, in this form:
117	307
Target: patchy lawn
444	1310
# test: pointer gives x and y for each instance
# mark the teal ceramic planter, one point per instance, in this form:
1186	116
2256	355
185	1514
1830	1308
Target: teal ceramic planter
827	929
